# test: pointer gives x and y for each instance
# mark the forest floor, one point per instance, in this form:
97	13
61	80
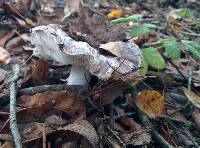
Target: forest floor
107	73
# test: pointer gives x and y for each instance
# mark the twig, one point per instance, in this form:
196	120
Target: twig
190	77
44	88
13	119
44	136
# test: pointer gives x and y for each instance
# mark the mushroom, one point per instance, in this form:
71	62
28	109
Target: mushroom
85	60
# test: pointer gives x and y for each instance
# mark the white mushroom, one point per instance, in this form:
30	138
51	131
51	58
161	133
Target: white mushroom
85	60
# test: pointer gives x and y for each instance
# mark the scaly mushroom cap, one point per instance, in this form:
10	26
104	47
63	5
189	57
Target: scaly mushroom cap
47	41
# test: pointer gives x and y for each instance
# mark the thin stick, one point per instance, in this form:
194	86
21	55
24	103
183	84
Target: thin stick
13	119
44	138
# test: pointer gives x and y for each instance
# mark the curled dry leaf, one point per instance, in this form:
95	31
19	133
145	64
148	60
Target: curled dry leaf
8	144
150	102
56	99
4	56
72	6
4	37
192	97
85	129
196	118
2	75
123	50
139	136
40	72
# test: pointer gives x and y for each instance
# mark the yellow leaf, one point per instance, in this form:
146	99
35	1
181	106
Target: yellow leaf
192	97
115	13
29	22
150	102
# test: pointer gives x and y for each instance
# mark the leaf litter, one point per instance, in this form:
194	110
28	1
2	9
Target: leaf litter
133	60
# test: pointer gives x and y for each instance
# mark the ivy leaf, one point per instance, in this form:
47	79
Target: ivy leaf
172	48
139	30
193	47
152	26
132	18
144	67
153	58
186	13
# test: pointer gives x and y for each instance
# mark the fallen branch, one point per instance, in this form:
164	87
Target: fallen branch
44	88
13	119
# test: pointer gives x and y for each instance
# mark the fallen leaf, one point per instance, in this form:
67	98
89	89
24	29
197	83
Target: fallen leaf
40	72
8	144
115	13
124	50
139	136
150	102
58	99
4	56
85	129
192	97
4	37
2	75
107	93
196	118
72	6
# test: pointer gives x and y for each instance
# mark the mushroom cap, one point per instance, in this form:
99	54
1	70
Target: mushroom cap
49	39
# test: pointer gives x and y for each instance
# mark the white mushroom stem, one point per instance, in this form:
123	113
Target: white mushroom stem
78	76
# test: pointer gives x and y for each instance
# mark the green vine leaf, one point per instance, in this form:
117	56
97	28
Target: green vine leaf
153	58
132	18
144	67
172	48
139	30
193	47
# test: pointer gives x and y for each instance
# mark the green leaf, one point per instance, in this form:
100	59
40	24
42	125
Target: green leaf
193	47
132	18
150	26
139	30
144	67
172	48
186	13
153	58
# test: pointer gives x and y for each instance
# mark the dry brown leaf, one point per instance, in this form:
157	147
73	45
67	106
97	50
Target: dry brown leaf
72	6
84	128
8	144
40	72
57	99
123	49
192	97
6	36
2	75
4	56
196	118
139	136
150	102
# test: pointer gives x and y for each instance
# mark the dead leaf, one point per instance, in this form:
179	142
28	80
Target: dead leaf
2	75
196	118
40	72
56	99
123	49
85	129
72	6
4	56
5	36
192	97
150	102
139	136
8	144
106	94
115	13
